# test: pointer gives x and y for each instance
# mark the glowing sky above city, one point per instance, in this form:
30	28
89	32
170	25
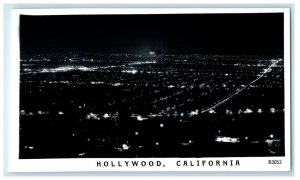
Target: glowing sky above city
200	33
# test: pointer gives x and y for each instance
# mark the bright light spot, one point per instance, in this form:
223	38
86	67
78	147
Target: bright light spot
22	112
246	138
259	111
45	70
142	62
153	115
81	154
106	115
140	118
60	113
136	133
272	110
92	116
131	71
271	136
190	141
95	82
193	113
228	112
267	70
157	143
151	53
161	125
212	111
248	111
82	68
240	111
125	147
134	71
171	86
269	141
30	147
117	84
227	139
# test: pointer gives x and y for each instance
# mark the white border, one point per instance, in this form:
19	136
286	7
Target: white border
89	164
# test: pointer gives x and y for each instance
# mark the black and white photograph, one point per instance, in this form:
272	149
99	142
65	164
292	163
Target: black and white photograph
153	85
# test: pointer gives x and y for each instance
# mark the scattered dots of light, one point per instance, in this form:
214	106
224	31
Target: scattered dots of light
67	68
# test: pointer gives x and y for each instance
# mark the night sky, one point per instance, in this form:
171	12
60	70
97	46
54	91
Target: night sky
240	34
